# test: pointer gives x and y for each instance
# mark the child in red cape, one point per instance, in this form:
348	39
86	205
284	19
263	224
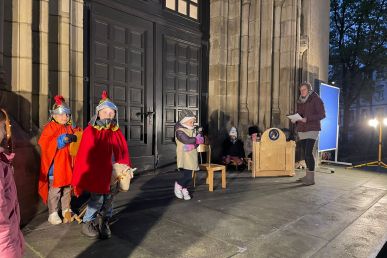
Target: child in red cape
11	238
102	145
56	165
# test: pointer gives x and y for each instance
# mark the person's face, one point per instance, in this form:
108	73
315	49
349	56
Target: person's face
190	122
304	91
233	137
254	136
62	118
3	132
106	113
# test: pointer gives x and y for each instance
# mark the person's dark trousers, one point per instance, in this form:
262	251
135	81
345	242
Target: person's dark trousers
300	151
307	145
185	178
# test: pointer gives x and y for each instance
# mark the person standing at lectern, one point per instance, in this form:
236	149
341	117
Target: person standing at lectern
311	109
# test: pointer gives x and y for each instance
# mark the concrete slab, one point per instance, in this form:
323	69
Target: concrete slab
168	238
220	225
344	214
283	244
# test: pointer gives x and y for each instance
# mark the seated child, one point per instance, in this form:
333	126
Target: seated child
233	150
254	136
56	162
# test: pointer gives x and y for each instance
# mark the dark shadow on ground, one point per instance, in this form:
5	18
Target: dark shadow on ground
156	192
383	252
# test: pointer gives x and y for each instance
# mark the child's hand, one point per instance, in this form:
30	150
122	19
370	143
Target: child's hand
188	147
61	141
71	138
199	139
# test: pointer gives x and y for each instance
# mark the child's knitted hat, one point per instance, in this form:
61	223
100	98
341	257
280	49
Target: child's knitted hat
254	129
186	115
233	132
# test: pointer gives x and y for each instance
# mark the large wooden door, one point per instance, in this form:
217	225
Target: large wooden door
121	62
178	85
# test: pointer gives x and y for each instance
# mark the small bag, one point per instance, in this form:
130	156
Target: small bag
122	174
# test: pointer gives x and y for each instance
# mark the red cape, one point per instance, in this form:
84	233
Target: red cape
50	154
93	164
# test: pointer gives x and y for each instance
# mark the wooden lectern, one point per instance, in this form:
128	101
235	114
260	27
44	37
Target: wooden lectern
273	155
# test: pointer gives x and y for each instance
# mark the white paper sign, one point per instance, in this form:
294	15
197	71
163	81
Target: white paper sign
294	117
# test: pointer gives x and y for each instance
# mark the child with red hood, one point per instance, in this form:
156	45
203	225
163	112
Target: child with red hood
11	238
102	145
56	162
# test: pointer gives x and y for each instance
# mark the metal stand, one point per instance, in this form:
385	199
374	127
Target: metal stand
379	162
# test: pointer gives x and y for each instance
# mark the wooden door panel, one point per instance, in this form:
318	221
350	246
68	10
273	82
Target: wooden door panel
180	87
122	63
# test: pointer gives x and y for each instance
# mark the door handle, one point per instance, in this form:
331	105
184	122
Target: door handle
145	114
149	113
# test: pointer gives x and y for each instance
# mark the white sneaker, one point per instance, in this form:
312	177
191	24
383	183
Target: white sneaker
178	192
54	218
186	194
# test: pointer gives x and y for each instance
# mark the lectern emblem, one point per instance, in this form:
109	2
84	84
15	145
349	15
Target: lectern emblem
274	134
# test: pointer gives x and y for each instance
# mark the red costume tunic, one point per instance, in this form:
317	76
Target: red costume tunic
51	155
93	163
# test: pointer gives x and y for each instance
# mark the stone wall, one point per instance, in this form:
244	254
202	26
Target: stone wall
259	53
41	55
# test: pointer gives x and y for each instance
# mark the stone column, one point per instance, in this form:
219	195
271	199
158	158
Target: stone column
1	43
265	63
217	85
64	48
253	103
288	60
43	62
19	58
233	61
76	60
244	66
275	119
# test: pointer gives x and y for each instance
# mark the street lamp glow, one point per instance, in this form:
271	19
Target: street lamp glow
373	122
385	121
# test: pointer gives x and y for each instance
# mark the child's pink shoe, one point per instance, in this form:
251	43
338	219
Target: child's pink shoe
186	194
178	190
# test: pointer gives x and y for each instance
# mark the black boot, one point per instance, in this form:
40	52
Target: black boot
241	167
104	229
90	229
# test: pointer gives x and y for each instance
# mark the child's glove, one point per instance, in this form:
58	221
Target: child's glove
188	147
71	138
199	139
61	141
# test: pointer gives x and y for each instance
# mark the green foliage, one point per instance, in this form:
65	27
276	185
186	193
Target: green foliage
358	44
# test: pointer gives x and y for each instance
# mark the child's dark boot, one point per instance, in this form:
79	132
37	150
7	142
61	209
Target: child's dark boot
90	229
104	229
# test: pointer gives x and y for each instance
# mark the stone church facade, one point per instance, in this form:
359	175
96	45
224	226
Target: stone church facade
233	62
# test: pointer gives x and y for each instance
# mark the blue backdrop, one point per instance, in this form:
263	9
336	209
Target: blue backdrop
329	126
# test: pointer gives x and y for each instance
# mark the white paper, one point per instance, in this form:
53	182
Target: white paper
294	117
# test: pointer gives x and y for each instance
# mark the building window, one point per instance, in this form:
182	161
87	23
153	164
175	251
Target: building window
352	116
184	7
379	112
379	93
364	114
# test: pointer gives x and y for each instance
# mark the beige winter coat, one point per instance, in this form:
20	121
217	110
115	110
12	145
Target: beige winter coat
186	159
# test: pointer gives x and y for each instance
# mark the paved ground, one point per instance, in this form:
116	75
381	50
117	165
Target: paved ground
343	215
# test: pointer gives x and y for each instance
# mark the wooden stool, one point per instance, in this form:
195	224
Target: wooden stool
249	163
210	168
